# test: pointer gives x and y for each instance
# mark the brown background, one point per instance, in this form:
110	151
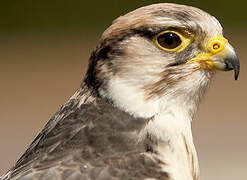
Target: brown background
39	71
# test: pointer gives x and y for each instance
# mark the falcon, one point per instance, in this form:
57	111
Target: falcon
131	117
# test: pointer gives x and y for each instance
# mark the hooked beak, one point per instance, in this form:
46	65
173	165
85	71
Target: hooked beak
227	60
221	56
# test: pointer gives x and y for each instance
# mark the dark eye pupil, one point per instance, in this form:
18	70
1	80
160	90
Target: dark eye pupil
169	40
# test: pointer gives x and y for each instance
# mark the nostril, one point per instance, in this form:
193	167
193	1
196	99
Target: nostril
216	46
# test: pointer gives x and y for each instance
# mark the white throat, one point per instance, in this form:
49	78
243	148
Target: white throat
180	101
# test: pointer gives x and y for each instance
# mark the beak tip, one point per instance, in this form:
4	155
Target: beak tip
232	63
236	73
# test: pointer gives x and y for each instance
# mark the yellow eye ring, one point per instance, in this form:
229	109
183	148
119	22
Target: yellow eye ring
171	41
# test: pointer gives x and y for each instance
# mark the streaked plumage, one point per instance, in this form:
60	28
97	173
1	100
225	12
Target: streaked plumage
131	117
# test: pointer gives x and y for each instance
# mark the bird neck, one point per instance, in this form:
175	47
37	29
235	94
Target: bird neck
168	132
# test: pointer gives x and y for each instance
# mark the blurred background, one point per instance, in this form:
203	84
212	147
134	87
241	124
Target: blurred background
44	49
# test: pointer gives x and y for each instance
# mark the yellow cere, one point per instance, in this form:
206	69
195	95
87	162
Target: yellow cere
216	44
184	36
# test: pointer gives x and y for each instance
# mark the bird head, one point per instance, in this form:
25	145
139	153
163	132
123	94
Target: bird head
162	52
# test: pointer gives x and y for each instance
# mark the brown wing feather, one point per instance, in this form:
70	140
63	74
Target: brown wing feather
89	141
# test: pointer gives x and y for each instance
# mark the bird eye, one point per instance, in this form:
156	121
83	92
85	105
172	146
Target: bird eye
173	41
169	40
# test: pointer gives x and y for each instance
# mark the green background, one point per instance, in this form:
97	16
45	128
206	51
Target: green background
67	15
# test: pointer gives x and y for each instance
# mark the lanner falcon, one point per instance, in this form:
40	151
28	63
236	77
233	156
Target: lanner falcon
131	117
